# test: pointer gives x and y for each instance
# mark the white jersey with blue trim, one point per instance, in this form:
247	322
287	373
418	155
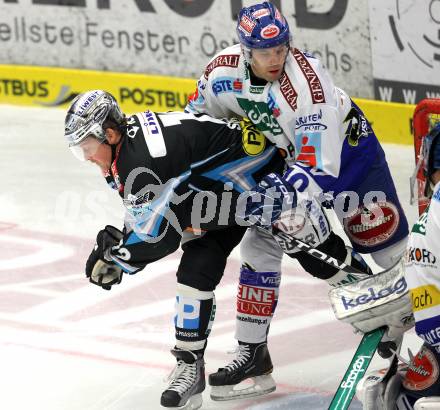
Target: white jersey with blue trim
313	122
423	272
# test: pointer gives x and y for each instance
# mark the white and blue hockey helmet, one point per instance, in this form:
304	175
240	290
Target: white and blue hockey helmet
262	26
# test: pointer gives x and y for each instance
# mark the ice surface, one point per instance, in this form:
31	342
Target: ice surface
68	345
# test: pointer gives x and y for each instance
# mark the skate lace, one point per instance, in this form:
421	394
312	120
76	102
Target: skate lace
243	355
182	377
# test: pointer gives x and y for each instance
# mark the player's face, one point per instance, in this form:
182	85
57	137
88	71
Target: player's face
268	63
93	150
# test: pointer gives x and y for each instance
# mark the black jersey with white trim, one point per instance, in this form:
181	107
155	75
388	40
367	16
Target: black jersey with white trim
178	170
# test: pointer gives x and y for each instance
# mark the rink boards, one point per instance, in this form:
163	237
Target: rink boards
56	87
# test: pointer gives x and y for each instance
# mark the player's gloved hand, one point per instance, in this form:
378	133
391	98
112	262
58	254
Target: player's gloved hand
266	201
100	269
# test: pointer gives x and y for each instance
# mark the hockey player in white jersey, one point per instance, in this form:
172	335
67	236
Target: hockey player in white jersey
416	385
329	147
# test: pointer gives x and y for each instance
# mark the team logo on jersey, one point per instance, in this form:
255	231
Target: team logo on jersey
357	127
316	90
373	226
260	114
136	205
254	141
227	85
423	371
270	31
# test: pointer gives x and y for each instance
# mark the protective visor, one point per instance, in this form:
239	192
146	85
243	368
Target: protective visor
86	149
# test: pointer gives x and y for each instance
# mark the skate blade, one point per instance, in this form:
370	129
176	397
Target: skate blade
262	385
194	403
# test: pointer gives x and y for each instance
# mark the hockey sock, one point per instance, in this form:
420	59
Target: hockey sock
256	302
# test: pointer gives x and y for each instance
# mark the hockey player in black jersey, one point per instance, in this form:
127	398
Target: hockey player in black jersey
174	171
177	174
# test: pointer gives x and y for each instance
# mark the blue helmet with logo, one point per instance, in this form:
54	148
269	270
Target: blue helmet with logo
262	26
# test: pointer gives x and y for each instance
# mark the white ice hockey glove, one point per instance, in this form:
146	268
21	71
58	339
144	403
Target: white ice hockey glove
379	390
380	300
100	269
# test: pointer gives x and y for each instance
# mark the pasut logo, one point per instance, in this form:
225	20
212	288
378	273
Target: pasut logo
373	294
270	31
423	39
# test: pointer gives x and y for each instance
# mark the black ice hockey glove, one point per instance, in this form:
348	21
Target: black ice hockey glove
100	269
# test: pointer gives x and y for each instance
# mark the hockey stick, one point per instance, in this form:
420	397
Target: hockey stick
358	366
370	341
289	244
368	345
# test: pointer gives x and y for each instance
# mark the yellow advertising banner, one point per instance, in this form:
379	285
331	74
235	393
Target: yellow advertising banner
392	122
56	87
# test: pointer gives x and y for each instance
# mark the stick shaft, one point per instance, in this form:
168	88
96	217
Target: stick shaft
358	366
289	245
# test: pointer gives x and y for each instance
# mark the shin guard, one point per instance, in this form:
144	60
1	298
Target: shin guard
194	316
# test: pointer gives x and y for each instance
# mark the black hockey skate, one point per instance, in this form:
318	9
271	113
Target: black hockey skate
186	382
253	361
